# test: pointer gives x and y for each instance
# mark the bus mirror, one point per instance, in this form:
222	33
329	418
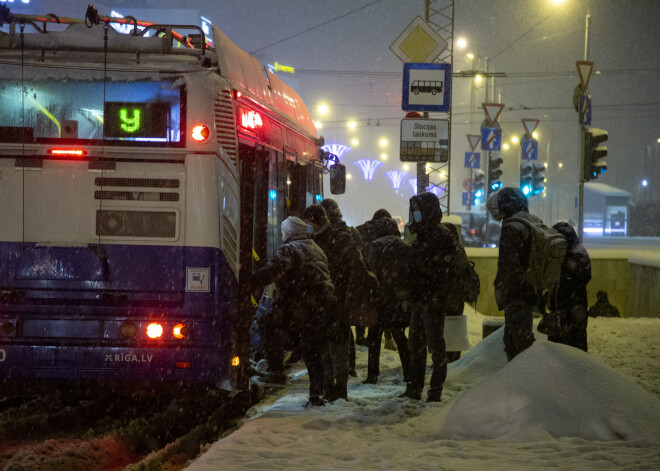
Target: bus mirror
337	179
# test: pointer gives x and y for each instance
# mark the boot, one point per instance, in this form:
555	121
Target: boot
412	393
338	392
434	395
315	401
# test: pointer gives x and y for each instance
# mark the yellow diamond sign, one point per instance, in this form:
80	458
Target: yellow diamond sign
419	42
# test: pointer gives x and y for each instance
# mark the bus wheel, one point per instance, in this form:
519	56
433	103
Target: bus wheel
416	92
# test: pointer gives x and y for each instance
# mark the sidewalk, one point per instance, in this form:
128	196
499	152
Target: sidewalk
493	414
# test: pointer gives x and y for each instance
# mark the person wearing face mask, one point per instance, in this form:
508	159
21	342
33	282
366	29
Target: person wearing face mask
345	264
431	300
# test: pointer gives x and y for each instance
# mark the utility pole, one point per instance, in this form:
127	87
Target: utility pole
582	129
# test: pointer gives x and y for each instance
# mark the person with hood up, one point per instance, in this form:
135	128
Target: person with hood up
513	294
431	299
572	293
369	231
388	257
603	308
305	296
337	222
346	264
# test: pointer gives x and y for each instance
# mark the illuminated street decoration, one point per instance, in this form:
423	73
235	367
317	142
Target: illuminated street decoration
413	184
435	190
336	149
368	167
396	177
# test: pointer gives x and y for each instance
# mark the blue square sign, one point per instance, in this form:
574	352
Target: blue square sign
426	87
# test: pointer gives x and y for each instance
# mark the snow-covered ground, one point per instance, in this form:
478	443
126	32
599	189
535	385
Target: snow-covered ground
552	407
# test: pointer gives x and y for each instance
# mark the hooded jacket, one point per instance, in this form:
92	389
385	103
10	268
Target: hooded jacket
432	249
305	290
515	243
575	271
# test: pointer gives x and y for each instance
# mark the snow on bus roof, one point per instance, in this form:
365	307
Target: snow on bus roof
246	71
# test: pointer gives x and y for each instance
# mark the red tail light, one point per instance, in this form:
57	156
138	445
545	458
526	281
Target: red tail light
180	331
67	152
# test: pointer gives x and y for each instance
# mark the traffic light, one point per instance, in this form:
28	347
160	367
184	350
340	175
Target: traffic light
538	178
592	152
478	186
526	170
495	174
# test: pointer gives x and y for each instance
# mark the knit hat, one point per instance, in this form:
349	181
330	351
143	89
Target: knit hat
293	227
314	213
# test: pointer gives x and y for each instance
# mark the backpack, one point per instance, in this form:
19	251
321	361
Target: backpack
546	256
466	282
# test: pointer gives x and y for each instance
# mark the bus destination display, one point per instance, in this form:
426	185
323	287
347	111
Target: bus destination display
136	120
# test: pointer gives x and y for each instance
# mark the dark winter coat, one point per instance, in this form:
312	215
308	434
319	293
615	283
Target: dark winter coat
575	271
376	228
432	248
389	257
340	225
346	264
571	297
603	308
305	293
513	262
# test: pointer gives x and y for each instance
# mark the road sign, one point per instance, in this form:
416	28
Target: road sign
419	42
491	138
584	69
584	110
474	140
424	140
530	149
426	87
530	125
466	198
472	160
467	184
493	111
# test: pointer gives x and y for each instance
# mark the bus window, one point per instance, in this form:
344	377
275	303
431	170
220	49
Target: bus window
276	200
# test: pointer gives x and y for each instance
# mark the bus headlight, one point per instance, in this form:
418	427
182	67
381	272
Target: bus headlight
154	330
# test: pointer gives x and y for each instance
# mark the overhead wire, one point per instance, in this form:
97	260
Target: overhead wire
316	26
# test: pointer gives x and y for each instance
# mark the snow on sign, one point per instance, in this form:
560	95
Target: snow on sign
426	87
424	140
419	42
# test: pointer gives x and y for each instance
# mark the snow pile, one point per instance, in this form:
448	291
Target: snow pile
552	406
552	390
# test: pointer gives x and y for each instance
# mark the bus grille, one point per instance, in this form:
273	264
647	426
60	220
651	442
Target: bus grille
135	196
138	182
143	224
225	124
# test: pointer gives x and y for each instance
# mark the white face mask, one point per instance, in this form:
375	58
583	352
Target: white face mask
417	216
310	229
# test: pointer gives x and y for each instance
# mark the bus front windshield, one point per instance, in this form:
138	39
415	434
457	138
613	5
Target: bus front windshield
112	111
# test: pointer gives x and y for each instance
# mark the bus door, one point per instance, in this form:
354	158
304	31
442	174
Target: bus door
296	182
